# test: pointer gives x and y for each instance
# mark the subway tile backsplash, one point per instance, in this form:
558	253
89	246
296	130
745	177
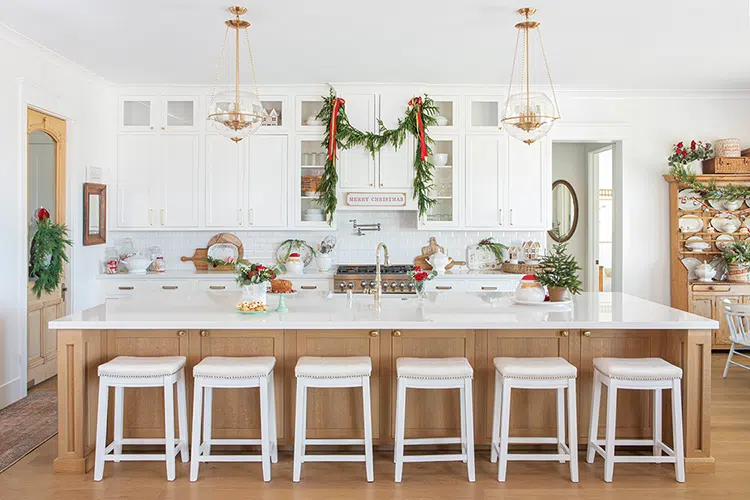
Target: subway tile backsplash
398	231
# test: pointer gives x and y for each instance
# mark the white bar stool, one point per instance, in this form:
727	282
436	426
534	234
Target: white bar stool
534	373
738	320
233	373
132	372
435	373
645	374
332	372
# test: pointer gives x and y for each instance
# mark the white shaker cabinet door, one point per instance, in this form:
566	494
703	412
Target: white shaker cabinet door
135	180
357	166
395	166
486	180
224	182
178	171
529	185
267	181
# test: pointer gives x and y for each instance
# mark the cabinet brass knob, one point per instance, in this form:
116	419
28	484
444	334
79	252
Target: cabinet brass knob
587	334
374	333
204	333
564	333
396	333
181	333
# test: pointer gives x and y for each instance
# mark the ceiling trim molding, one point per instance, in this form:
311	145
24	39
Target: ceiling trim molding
36	49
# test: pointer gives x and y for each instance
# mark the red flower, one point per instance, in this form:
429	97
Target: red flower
417	269
684	153
260	267
420	276
273	277
708	146
679	145
692	145
42	214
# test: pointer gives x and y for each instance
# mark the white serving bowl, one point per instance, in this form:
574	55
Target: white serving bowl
733	204
441	121
440	159
137	264
697	246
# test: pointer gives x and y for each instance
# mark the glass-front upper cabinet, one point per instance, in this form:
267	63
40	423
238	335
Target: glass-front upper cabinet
179	113
483	113
310	164
138	113
165	113
445	158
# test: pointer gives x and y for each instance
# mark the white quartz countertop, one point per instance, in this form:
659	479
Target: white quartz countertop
317	310
309	274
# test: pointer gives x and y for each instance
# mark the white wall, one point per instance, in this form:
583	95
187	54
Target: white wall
51	83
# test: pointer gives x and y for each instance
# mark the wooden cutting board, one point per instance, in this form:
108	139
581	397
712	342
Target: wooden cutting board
228	238
198	258
432	248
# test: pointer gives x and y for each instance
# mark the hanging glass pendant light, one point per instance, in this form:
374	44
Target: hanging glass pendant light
527	115
234	113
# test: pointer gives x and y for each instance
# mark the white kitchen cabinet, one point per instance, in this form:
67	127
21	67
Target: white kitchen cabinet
448	109
356	165
267	185
138	113
486	167
307	171
179	113
529	184
395	166
483	113
167	113
177	176
225	194
446	185
135	180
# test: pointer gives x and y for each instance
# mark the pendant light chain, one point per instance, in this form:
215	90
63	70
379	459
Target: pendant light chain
549	75
218	66
237	67
513	66
252	62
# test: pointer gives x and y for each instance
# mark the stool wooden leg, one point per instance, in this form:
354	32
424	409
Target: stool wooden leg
561	423
265	440
496	418
462	406
101	430
169	427
657	412
596	399
208	407
197	411
300	424
274	432
119	414
679	445
367	408
609	460
573	430
182	417
400	428
469	426
502	465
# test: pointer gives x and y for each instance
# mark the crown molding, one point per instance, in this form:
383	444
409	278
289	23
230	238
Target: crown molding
38	50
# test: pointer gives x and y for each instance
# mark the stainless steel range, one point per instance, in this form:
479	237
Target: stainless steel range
361	279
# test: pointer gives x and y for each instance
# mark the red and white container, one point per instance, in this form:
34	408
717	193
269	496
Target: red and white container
530	290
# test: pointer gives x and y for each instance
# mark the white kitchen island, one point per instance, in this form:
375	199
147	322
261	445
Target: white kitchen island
478	326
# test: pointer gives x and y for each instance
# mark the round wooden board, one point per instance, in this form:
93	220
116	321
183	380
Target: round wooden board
228	238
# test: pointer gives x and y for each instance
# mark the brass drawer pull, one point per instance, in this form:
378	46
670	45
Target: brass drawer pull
181	333
587	333
564	333
374	333
489	288
169	287
126	288
443	288
217	287
204	333
396	333
309	287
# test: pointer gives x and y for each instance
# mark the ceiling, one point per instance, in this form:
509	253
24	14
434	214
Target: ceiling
591	44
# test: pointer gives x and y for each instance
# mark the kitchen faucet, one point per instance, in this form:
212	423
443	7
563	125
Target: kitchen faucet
378	280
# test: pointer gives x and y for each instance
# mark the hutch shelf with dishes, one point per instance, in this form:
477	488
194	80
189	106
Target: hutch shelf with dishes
699	229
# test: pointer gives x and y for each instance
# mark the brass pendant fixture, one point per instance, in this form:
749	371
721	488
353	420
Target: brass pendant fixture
528	116
234	113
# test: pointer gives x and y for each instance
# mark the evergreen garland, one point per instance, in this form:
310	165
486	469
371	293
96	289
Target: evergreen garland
710	190
560	269
47	259
495	247
348	137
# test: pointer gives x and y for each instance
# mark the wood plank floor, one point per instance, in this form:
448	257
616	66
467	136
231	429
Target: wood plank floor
32	478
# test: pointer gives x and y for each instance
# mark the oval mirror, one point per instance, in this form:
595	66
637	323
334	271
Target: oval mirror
564	211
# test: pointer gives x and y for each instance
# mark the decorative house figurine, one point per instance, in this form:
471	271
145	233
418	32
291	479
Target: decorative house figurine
532	251
266	118
273	118
513	254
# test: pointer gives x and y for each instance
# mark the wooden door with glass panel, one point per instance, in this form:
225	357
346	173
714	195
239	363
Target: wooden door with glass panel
46	188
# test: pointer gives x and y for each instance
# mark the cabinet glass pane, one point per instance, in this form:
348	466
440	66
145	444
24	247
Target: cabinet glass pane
442	154
485	114
180	113
445	111
442	211
136	113
311	161
308	111
272	111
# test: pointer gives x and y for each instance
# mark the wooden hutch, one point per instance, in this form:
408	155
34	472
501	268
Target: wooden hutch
705	299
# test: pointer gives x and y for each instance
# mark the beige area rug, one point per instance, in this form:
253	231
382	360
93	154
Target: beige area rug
25	425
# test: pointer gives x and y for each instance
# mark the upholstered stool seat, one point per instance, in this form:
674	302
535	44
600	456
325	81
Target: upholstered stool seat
646	374
435	373
137	372
233	373
332	372
534	373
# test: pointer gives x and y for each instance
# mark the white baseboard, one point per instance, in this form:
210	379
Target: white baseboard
10	392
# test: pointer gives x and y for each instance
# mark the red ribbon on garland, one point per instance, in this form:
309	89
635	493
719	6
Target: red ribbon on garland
337	103
417	103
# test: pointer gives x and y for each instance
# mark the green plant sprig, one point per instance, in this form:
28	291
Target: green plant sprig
495	247
48	258
559	269
737	252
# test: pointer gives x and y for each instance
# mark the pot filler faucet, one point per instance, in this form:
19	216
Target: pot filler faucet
378	280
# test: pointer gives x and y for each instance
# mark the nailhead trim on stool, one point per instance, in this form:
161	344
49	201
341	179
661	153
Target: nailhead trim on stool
646	374
534	373
332	372
216	372
435	373
131	372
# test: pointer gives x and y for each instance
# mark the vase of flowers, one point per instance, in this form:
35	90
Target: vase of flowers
689	159
419	279
254	279
737	257
558	271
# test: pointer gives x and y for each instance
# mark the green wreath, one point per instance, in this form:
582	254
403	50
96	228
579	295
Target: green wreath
47	254
340	134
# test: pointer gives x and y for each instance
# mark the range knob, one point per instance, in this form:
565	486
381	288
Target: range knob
394	285
402	285
350	285
385	285
342	285
363	284
372	284
411	286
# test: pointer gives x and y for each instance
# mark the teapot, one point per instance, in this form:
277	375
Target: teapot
439	261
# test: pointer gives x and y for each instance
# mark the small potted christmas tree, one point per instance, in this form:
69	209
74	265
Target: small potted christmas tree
558	271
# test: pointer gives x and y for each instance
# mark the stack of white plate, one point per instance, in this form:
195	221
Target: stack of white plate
313	215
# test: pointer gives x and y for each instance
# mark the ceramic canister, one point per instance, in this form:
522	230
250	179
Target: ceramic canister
727	148
737	273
